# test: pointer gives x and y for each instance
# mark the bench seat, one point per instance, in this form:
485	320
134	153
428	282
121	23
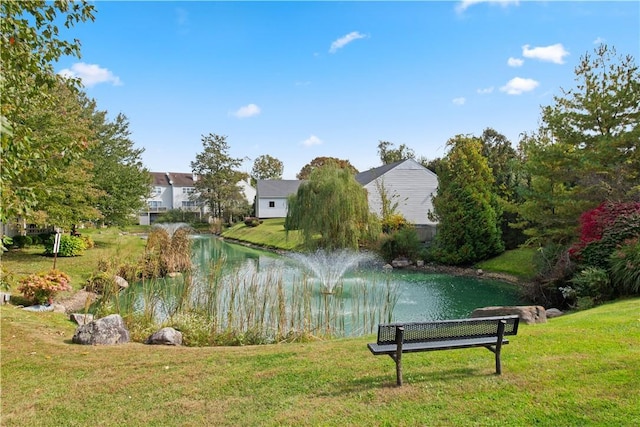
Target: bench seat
414	347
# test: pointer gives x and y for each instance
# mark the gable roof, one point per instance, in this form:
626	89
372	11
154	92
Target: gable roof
366	177
277	188
177	179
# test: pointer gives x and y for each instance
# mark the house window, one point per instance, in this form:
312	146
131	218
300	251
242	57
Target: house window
272	204
189	204
156	191
153	204
188	190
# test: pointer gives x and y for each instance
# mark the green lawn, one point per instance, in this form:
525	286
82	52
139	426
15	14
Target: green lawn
516	262
578	370
270	234
110	244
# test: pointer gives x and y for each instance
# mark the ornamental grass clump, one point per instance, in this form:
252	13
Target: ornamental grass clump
42	287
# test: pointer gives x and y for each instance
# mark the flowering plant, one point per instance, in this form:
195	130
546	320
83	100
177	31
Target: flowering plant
42	287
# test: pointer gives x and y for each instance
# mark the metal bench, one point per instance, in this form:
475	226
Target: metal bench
489	332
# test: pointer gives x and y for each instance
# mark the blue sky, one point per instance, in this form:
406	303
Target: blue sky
299	80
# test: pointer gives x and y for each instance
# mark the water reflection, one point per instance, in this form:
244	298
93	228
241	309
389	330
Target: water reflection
421	296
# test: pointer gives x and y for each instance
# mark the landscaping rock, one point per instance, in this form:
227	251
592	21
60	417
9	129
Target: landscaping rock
106	331
80	318
165	336
400	263
529	314
121	282
554	312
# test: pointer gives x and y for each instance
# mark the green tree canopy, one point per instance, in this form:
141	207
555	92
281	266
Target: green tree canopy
320	162
332	211
217	175
117	167
389	155
587	149
266	167
465	206
29	45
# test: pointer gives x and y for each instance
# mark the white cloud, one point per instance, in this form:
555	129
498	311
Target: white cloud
485	91
599	40
459	101
247	111
518	85
554	53
515	62
465	4
91	74
182	16
345	40
311	141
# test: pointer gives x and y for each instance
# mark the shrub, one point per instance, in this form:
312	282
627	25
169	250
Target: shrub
393	222
22	241
625	267
5	243
88	242
593	283
603	229
251	221
42	287
42	238
69	246
402	243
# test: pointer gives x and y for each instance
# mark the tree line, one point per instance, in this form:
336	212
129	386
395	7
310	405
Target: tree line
571	188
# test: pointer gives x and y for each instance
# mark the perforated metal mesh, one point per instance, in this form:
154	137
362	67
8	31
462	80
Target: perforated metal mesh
447	329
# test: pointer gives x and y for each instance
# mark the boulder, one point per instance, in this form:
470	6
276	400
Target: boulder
121	282
105	331
81	318
165	336
528	314
400	263
554	312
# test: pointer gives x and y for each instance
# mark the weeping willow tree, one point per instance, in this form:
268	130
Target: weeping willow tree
331	210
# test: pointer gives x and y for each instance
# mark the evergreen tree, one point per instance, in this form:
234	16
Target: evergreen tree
465	206
587	149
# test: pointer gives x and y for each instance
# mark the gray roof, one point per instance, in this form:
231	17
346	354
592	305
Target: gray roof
277	188
367	176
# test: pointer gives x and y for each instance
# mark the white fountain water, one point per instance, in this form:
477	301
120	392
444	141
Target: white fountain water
171	227
330	267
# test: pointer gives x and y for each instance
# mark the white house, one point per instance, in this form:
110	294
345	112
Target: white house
407	183
271	197
175	190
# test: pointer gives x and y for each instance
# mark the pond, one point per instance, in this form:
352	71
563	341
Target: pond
396	295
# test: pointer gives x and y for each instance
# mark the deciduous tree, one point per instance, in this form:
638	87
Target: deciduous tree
320	162
29	45
332	211
217	176
266	167
389	155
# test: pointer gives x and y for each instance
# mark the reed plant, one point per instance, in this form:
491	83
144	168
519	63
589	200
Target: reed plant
245	306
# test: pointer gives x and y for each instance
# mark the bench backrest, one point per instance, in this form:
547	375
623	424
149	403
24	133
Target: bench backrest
448	329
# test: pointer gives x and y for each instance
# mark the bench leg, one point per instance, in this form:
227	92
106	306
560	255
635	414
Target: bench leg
398	356
501	326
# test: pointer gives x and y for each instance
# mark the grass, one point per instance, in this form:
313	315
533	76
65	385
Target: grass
577	370
109	244
269	234
516	262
